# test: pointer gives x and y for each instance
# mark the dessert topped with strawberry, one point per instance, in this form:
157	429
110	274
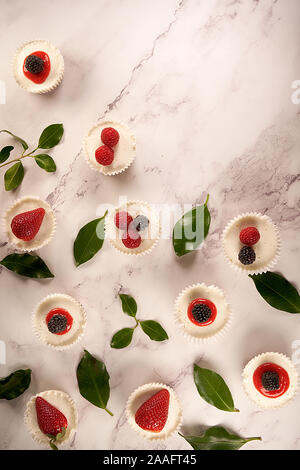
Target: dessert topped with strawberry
109	148
251	243
51	421
29	223
51	418
38	66
270	379
202	312
133	228
153	410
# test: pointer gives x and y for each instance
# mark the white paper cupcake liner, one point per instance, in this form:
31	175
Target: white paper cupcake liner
99	168
268	266
39	90
110	229
208	339
174	402
271	403
32	245
31	423
38	329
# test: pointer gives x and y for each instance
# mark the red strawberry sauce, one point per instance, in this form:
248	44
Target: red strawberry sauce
65	313
38	77
209	304
284	381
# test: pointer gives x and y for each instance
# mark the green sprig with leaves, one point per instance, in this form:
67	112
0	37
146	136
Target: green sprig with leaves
151	328
49	138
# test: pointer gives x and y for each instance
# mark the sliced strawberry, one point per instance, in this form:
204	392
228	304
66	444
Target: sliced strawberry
26	225
153	414
51	421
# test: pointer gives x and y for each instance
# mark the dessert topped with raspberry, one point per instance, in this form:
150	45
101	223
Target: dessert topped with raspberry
29	223
109	147
202	312
251	243
38	66
270	379
153	411
133	228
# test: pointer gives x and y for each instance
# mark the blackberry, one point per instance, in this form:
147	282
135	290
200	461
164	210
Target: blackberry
57	324
140	223
270	380
201	313
34	64
247	255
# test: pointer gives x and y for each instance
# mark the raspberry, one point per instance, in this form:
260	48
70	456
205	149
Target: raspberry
249	236
34	64
270	380
122	220
131	239
247	255
110	136
140	223
104	155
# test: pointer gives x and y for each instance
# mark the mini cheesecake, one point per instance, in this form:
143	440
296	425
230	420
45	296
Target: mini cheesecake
38	66
29	223
202	312
154	412
133	228
251	243
59	321
270	380
66	409
109	147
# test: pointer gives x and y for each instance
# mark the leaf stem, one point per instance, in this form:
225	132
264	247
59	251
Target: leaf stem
20	158
109	412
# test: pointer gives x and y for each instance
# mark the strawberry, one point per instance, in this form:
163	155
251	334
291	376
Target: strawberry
131	239
122	220
51	421
26	225
104	155
249	236
153	414
110	136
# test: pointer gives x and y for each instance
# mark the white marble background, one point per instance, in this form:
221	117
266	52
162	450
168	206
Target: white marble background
206	88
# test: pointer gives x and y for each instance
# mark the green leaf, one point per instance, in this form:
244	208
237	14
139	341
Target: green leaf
15	384
212	388
218	438
14	176
51	136
5	152
190	231
122	338
93	381
277	291
46	162
154	330
18	139
27	265
129	305
89	240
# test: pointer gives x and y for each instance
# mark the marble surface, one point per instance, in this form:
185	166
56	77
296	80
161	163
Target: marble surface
206	87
